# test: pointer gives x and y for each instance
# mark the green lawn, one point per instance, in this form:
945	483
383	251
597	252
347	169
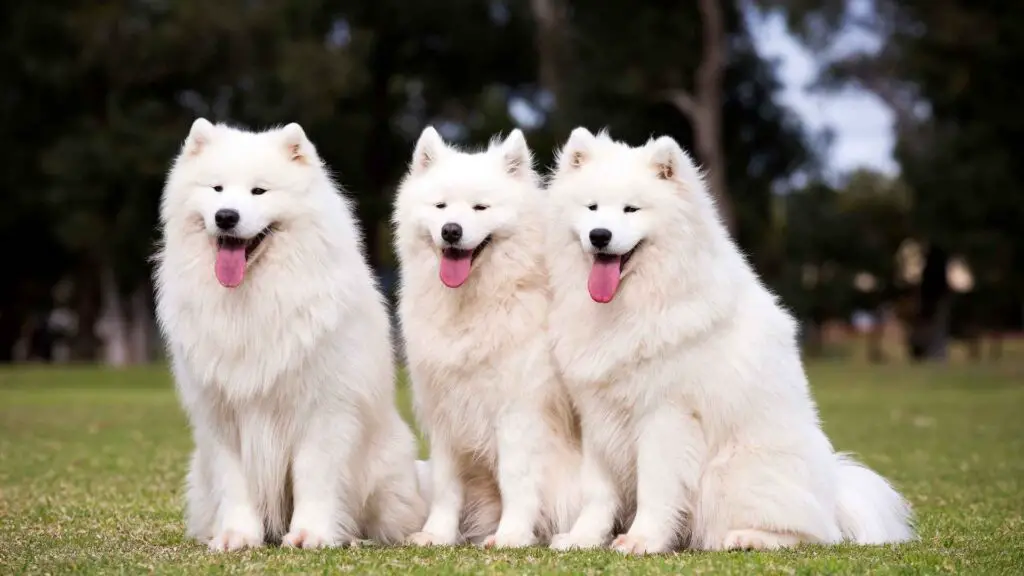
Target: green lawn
91	467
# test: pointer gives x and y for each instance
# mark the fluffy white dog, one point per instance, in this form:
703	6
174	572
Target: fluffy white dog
280	348
473	307
695	408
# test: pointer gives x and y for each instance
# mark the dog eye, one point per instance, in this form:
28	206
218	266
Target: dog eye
630	209
592	207
440	205
479	207
258	191
218	188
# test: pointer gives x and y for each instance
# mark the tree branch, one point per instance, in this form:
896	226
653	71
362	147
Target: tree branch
684	102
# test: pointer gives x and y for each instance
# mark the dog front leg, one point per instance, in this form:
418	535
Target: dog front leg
669	454
601	500
520	436
442	526
321	479
239	525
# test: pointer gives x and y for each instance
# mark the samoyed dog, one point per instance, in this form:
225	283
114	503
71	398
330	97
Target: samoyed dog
473	306
281	350
698	426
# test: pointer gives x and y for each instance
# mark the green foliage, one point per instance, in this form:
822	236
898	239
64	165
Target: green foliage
98	97
657	48
832	235
950	70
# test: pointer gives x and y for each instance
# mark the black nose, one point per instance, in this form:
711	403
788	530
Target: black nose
226	218
600	237
451	232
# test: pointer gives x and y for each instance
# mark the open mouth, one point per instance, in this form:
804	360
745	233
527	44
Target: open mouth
456	264
234	254
606	274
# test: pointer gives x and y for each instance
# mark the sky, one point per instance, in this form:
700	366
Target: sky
861	122
862	125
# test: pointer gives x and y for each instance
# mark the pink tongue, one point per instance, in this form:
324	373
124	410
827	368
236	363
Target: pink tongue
604	279
455	269
230	265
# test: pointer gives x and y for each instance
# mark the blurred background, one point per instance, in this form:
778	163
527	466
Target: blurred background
862	150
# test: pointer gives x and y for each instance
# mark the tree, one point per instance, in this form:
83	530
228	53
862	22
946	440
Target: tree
841	246
428	63
703	106
553	59
99	96
943	69
30	114
624	90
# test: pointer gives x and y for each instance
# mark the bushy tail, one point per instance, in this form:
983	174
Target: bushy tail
870	510
483	502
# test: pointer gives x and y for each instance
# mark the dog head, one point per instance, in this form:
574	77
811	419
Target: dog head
238	188
456	206
618	201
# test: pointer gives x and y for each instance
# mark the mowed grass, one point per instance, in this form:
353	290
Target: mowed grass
92	462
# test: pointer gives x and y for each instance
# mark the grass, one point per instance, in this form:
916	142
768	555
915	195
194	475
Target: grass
92	461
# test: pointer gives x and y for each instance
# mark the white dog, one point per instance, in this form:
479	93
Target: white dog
695	409
281	350
473	307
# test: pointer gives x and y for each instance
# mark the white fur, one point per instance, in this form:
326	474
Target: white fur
695	408
504	440
288	378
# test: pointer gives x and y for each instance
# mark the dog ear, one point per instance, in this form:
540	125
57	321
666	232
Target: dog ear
516	154
199	136
577	149
669	160
297	145
429	148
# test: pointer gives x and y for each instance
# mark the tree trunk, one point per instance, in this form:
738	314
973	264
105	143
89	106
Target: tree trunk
995	346
704	107
814	339
929	334
113	324
12	319
875	339
550	17
974	344
85	344
140	333
709	150
372	208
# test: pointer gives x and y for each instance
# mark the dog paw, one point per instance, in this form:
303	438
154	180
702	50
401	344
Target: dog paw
637	545
758	540
230	540
568	541
428	539
509	540
307	539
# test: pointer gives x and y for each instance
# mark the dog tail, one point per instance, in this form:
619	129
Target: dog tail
483	502
870	510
